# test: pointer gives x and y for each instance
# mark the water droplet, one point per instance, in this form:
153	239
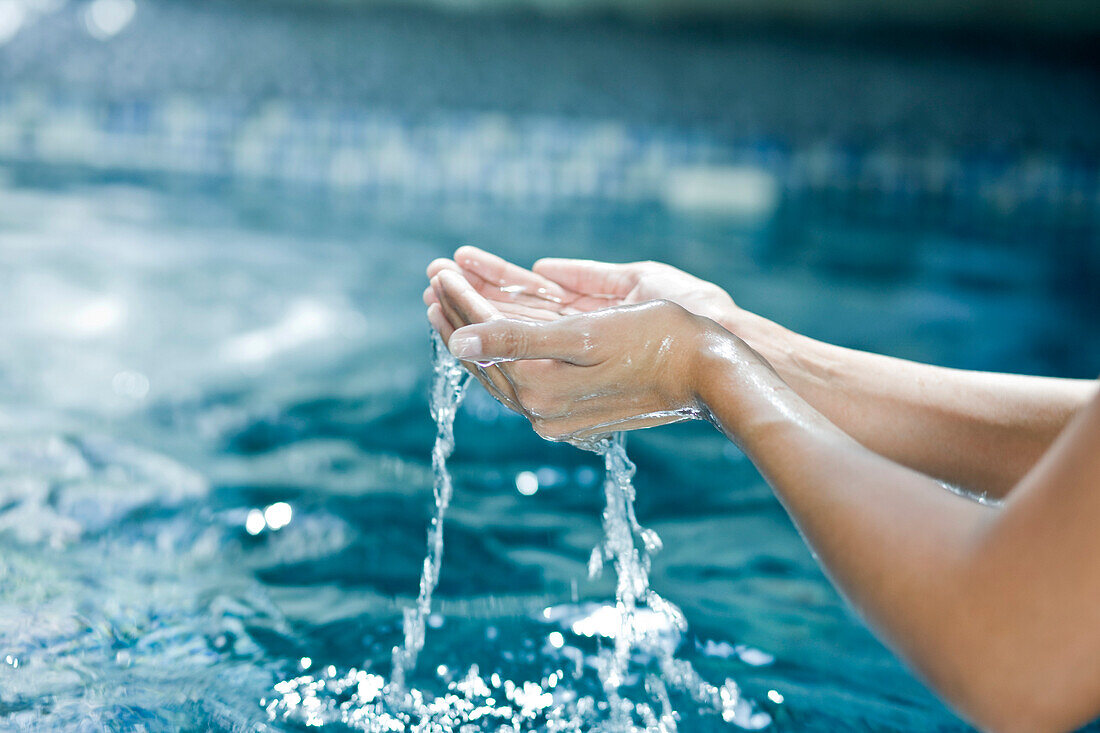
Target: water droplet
278	515
255	522
527	483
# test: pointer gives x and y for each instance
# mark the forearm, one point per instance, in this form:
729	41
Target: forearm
977	430
901	549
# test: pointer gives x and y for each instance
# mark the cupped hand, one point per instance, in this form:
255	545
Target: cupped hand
580	376
448	312
559	287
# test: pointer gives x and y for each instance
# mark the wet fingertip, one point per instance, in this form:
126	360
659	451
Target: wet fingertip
464	345
544	262
450	278
466	251
439	320
437	289
471	258
440	264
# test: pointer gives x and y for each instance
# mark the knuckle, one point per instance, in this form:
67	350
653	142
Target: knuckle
675	310
667	307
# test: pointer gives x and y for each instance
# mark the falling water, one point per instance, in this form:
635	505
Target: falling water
630	546
644	628
448	388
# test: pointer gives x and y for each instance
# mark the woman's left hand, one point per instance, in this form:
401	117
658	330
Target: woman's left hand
581	376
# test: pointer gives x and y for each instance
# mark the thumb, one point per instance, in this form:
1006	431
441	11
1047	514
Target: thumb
507	339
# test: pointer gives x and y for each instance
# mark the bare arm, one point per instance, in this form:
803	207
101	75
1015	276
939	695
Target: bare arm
994	607
976	430
979	430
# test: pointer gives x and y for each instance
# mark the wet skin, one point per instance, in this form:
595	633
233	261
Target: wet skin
992	605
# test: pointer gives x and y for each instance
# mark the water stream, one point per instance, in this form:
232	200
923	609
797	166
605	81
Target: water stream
638	672
448	388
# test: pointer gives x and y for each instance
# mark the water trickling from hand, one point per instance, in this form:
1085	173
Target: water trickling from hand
449	383
644	628
630	547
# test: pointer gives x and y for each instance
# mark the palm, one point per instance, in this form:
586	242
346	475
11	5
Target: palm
477	286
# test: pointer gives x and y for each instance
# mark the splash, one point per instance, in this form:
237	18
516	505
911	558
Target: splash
646	621
638	672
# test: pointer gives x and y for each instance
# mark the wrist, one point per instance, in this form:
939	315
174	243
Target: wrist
737	388
796	358
718	357
764	336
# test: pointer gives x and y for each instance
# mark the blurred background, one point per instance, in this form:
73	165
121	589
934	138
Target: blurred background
214	220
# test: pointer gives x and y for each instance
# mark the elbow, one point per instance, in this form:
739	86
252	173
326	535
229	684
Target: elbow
1019	715
1015	698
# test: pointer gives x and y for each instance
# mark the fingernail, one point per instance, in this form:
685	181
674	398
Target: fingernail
465	347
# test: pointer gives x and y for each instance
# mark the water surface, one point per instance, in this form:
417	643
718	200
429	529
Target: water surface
215	455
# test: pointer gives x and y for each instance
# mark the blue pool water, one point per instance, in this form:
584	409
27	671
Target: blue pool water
215	471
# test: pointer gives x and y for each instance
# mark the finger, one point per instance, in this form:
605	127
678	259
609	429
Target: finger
508	339
495	380
458	295
456	318
588	276
453	317
507	303
504	274
429	295
434	268
439	264
527	312
439	322
534	305
505	393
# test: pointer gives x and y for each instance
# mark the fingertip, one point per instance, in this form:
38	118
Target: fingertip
468	252
476	260
439	321
465	343
450	279
438	265
429	297
434	311
437	288
544	264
